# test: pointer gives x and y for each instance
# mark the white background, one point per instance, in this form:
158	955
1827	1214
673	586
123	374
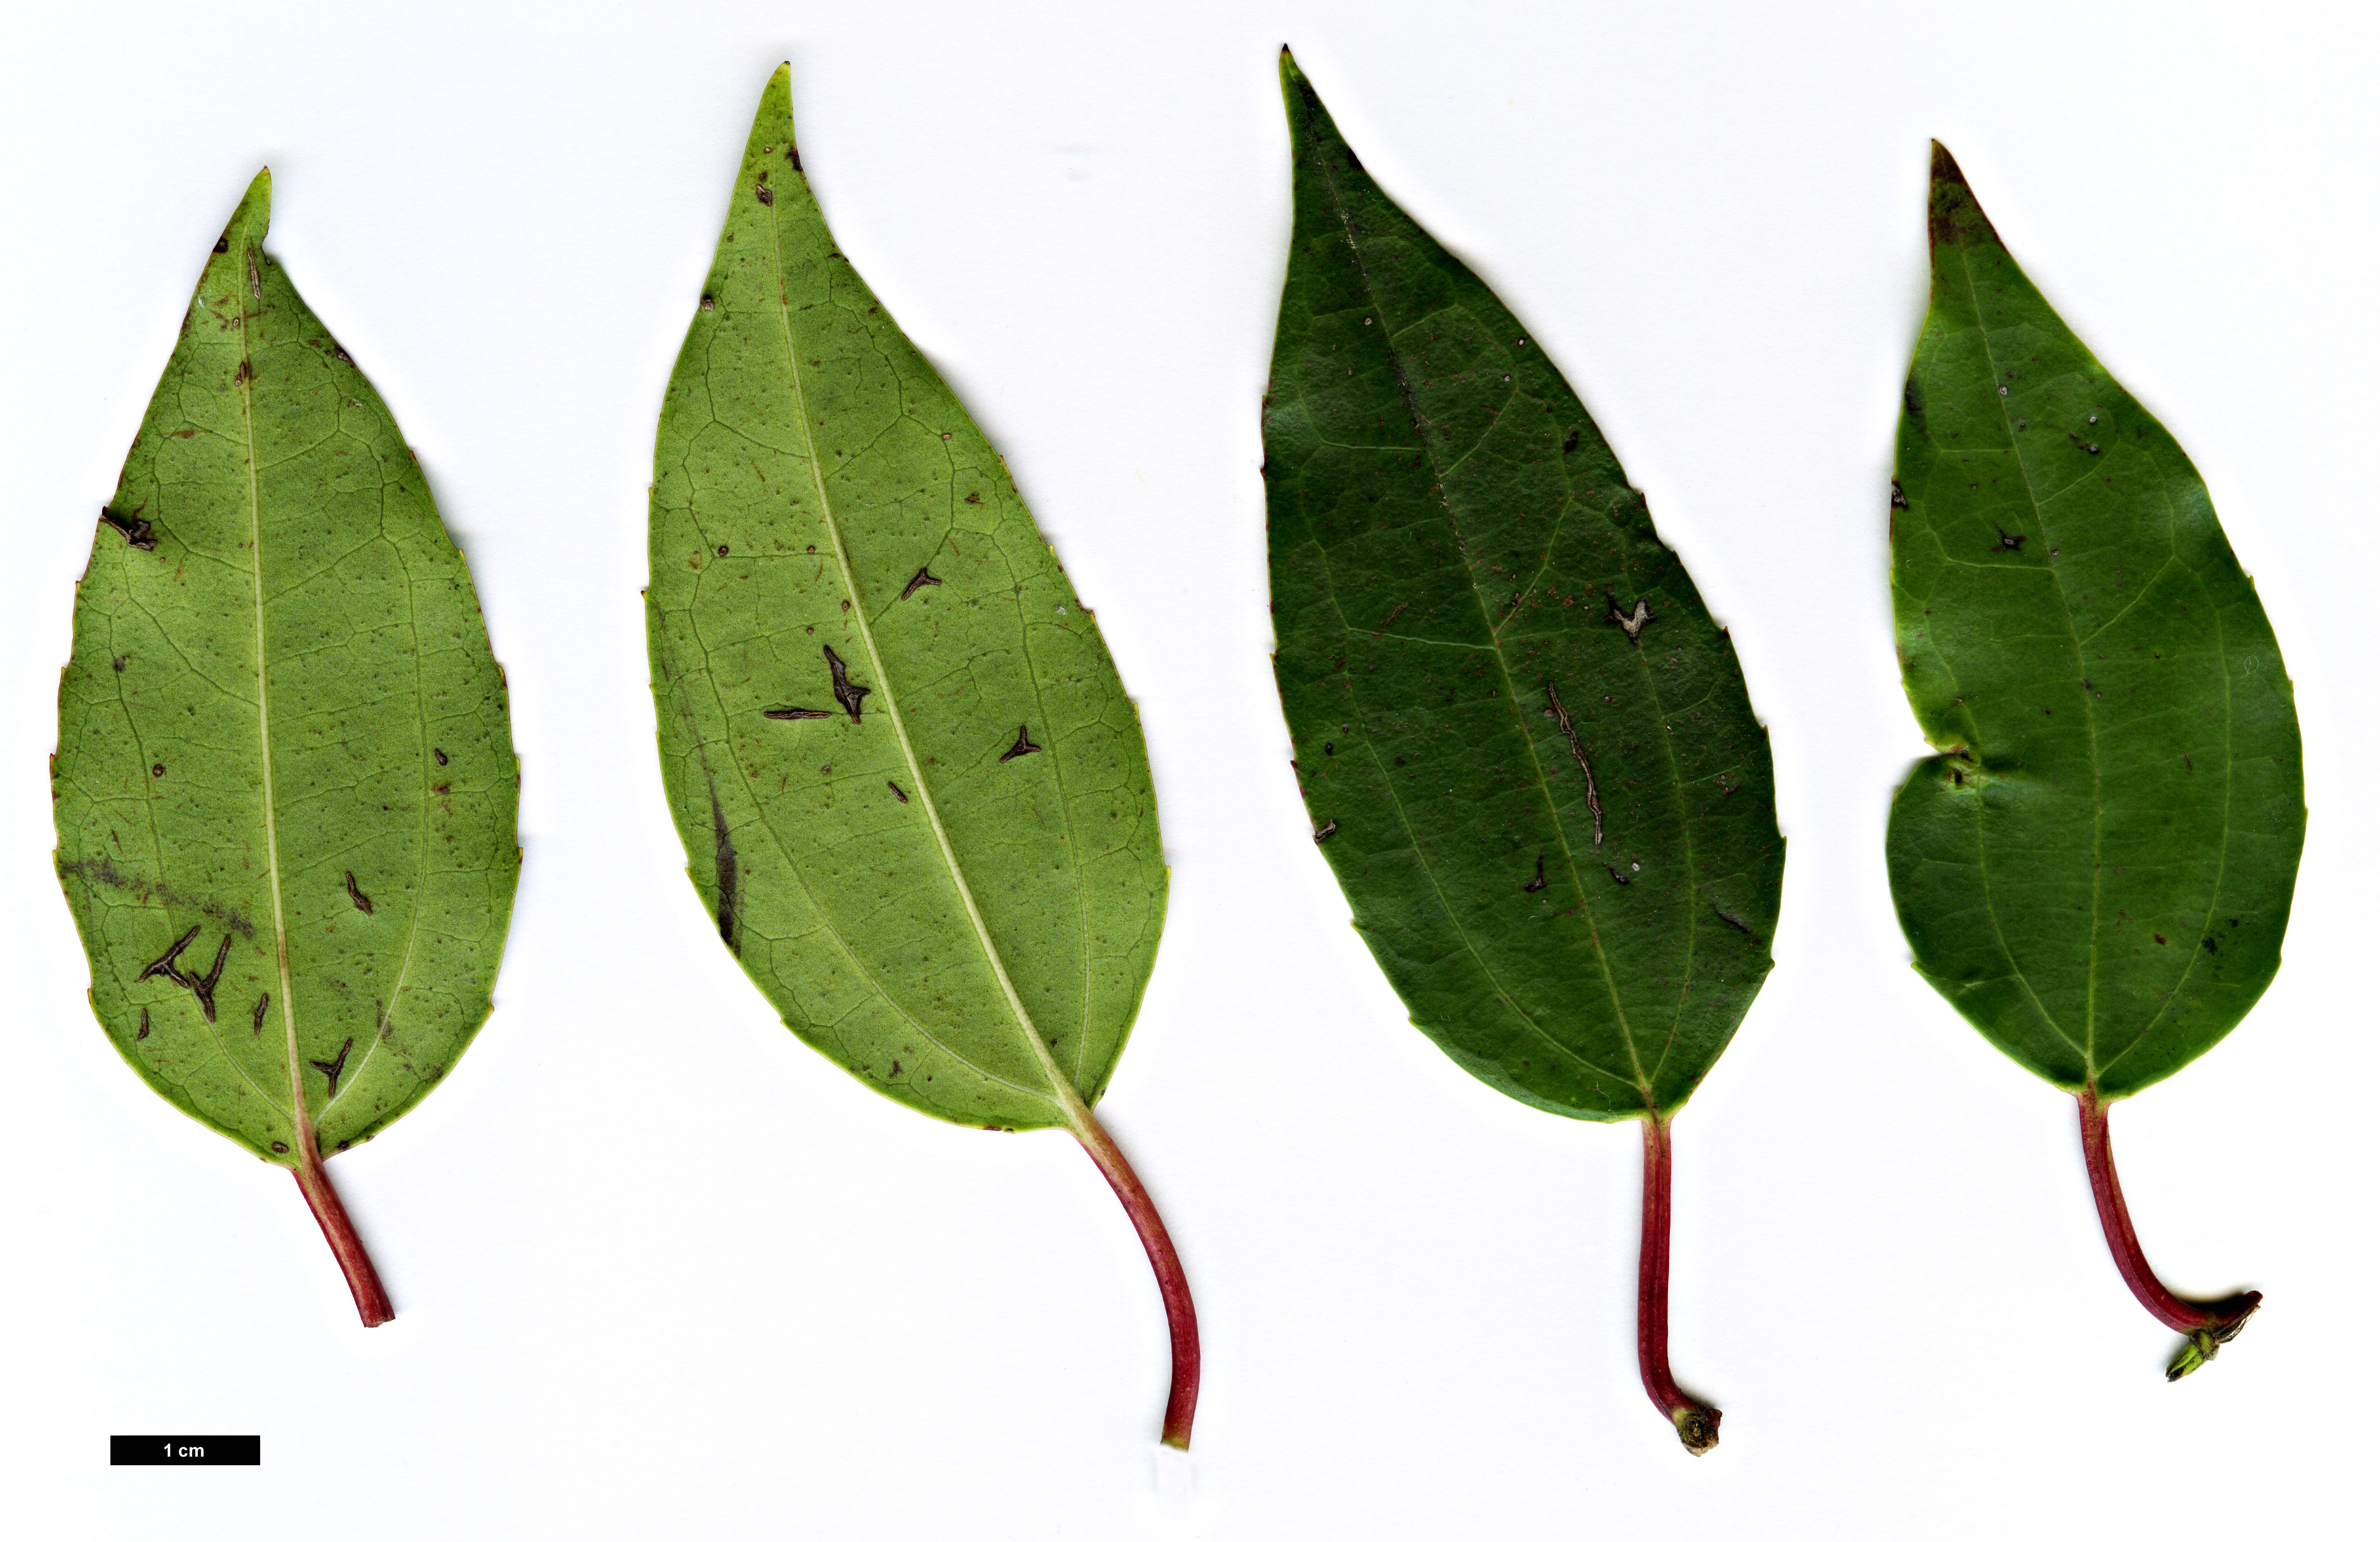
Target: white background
661	1271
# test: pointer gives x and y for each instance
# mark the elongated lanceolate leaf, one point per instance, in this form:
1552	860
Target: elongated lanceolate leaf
911	787
285	781
1525	746
2097	867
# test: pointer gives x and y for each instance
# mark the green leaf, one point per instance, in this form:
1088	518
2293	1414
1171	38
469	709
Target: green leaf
285	781
912	789
1525	746
2096	869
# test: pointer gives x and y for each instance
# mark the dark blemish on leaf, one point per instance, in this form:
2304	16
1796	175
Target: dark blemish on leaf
2008	542
1393	618
2189	770
1900	498
362	900
138	533
897	792
793	158
119	660
1617	876
246	372
1571	443
205	990
1636	620
2206	942
1328	830
2160	938
896	1068
256	1018
723	863
1578	753
1023	746
1732	920
1329	749
144	1011
223	244
157	770
280	1149
440	755
165	961
795	714
722	550
826	770
844	691
760	190
708	303
255	278
1539	881
341	354
972	498
335	1069
923	580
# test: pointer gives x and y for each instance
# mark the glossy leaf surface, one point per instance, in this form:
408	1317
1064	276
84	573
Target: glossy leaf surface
912	789
1525	746
285	781
2096	869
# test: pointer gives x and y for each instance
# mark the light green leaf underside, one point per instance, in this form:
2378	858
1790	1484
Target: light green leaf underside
1578	914
2097	871
956	893
281	710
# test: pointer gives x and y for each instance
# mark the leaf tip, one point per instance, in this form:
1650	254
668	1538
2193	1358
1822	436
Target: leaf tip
1953	216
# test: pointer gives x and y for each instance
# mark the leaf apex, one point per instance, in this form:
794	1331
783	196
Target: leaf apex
1953	216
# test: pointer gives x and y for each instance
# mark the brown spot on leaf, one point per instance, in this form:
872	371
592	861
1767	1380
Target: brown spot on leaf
136	532
922	580
1023	746
362	900
846	691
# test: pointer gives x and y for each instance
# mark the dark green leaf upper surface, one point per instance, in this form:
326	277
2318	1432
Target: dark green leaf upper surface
912	789
2096	870
1525	746
285	782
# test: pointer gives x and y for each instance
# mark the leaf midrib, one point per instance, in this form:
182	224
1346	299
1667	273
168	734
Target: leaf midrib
1063	1092
254	255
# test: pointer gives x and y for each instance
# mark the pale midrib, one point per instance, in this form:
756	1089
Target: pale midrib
2090	709
1488	622
1062	1089
304	1126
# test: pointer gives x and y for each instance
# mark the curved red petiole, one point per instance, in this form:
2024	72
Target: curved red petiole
363	1281
1181	1317
1696	1421
2207	1324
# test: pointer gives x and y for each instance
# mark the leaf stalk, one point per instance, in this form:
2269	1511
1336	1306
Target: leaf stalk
1181	1317
2206	1325
1696	1421
363	1281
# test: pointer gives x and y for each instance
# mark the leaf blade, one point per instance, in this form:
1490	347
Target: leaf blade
988	783
1527	836
2077	637
253	899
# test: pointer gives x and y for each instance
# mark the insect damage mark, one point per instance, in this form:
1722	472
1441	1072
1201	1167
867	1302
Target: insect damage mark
760	190
1539	881
844	691
1569	442
144	1011
204	988
924	579
1326	831
795	714
722	862
164	962
223	244
1732	920
2008	542
897	792
1632	622
335	1069
138	533
1578	753
1023	746
255	277
1617	876
256	1018
1900	498
362	900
